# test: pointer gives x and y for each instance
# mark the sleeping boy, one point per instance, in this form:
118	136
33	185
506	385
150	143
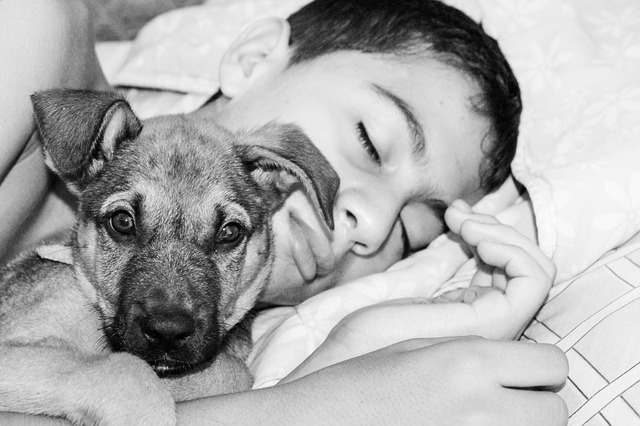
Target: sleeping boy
415	107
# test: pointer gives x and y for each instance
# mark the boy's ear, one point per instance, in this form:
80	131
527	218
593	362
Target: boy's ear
259	49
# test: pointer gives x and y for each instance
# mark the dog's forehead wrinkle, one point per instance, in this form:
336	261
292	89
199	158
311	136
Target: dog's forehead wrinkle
194	175
185	135
183	153
187	167
171	212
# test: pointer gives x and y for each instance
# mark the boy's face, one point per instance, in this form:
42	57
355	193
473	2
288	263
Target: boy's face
403	138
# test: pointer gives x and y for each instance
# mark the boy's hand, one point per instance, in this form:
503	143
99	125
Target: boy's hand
513	277
444	382
511	284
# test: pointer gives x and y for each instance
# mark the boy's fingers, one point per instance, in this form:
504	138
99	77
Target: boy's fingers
475	227
516	261
464	295
475	233
512	364
489	276
459	212
519	365
529	282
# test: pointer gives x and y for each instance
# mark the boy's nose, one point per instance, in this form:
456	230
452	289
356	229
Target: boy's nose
367	219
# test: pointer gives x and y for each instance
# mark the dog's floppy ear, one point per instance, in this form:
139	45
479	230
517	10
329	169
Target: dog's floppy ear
281	156
80	130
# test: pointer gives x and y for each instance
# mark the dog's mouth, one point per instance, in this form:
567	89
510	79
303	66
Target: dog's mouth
167	367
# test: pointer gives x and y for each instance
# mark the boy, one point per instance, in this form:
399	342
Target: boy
420	111
410	122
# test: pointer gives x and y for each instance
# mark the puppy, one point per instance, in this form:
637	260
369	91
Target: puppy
147	303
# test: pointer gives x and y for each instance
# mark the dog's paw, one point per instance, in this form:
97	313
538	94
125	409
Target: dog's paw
120	389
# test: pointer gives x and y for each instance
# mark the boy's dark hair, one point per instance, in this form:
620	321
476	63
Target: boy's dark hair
406	27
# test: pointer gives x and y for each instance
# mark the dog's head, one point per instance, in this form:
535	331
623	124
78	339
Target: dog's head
173	229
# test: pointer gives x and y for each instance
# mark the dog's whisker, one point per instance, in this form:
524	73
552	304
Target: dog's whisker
102	343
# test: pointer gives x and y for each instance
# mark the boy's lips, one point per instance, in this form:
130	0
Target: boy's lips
310	249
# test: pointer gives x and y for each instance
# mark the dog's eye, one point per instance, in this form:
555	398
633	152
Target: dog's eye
122	223
230	233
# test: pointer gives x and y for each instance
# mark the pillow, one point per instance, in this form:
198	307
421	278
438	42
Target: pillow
578	63
181	50
122	19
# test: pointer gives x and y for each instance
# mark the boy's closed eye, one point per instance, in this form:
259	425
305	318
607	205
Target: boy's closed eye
365	140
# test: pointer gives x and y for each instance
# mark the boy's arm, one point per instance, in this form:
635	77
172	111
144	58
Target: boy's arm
425	381
45	44
422	381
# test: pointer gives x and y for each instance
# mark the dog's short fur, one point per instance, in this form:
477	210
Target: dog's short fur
171	249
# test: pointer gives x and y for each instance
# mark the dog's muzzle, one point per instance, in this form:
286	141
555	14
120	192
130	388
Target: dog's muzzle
171	339
173	342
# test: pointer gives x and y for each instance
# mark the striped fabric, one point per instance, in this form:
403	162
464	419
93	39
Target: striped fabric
595	319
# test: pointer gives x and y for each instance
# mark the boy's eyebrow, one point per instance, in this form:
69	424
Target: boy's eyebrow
418	142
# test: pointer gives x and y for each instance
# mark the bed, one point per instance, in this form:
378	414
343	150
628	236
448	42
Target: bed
578	63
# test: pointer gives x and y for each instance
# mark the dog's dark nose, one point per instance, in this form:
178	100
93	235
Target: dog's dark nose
168	329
